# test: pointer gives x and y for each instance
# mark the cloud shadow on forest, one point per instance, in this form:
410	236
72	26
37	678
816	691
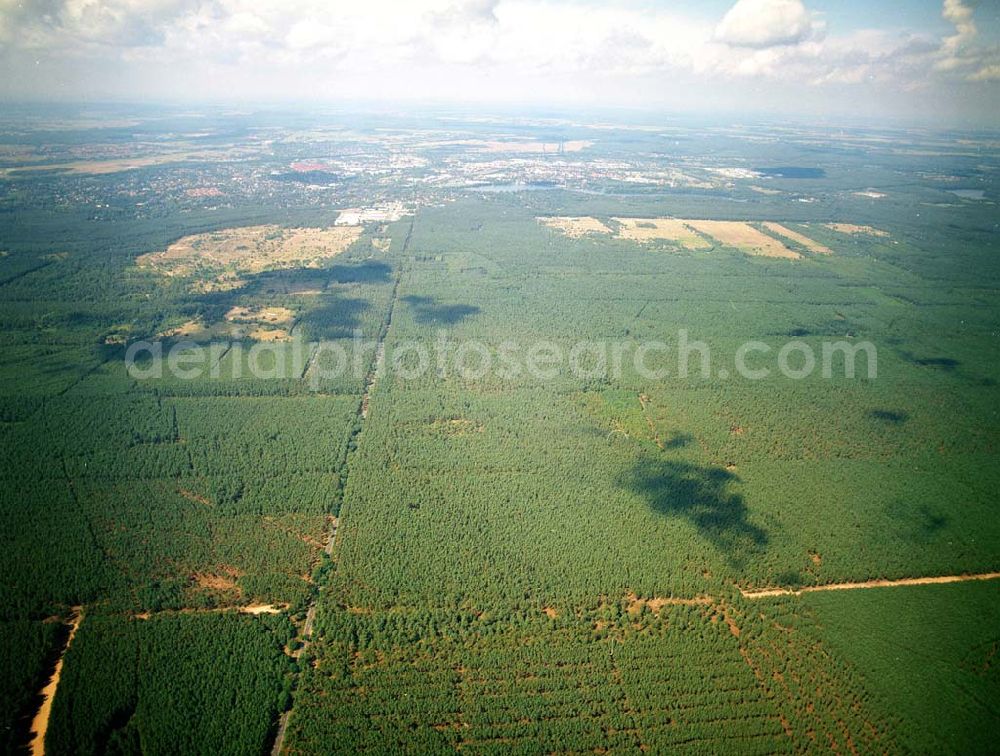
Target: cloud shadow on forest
335	319
892	417
428	311
702	496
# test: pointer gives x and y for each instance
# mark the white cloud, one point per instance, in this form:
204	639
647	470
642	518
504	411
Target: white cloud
961	54
474	49
765	23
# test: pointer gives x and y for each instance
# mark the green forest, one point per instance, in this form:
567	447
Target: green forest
381	560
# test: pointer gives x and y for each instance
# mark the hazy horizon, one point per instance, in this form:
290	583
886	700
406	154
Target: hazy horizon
931	62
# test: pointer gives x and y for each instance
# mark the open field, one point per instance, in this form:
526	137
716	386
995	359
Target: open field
744	237
668	229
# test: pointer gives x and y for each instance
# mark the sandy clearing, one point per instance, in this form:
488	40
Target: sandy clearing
575	227
190	328
256	609
250	249
766	592
744	237
269	334
854	229
795	236
272	315
215	582
233	329
253	609
40	723
656	603
651	229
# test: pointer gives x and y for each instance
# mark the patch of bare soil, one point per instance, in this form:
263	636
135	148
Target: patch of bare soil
256	609
644	230
550	612
40	723
744	237
853	229
575	227
270	315
795	236
269	334
223	580
765	592
249	249
636	603
184	330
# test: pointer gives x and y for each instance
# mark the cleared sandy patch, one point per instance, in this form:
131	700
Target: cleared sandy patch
190	328
261	609
250	249
269	334
254	609
745	237
575	227
217	582
795	236
656	229
853	229
259	330
272	315
655	603
40	723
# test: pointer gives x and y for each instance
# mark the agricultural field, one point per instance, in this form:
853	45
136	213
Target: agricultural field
419	437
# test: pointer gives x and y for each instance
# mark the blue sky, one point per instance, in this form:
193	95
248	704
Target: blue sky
908	60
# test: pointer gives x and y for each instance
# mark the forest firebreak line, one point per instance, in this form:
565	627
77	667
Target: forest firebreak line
331	540
867	584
